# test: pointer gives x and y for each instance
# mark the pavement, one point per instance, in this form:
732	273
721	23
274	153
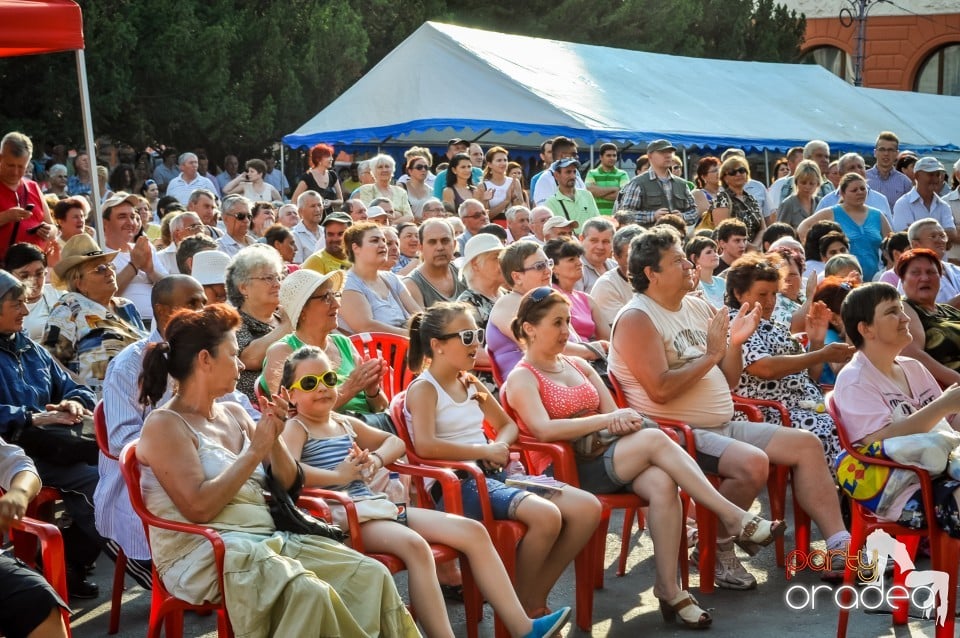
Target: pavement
624	607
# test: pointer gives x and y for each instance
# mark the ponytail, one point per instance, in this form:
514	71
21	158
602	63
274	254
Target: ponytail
416	350
153	377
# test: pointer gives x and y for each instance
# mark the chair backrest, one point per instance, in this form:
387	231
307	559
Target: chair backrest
100	431
495	369
834	413
618	396
391	348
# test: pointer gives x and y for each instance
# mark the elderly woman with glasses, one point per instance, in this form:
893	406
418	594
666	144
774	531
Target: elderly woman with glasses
312	302
89	325
733	201
383	168
253	287
524	267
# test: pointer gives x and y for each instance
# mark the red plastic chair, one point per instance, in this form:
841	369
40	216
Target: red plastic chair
944	550
393	349
25	534
120	567
779	477
505	535
565	469
473	601
707	524
165	609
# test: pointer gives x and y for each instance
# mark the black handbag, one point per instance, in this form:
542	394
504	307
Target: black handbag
289	518
59	444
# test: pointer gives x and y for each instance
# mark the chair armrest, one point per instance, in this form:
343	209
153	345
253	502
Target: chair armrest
51	551
561	454
316	506
353	523
681	433
773	405
449	482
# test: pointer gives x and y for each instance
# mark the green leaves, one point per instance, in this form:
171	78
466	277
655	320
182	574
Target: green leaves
234	76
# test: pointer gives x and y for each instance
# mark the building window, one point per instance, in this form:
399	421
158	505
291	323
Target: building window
940	73
832	59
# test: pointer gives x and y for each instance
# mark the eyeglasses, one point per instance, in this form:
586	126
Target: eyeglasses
475	216
539	266
311	382
467	337
326	297
540	294
102	269
270	279
738	171
240	216
419	167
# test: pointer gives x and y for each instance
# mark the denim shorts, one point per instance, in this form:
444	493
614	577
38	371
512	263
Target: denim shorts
504	499
598	475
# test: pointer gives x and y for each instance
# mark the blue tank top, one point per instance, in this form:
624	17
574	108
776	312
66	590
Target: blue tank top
865	240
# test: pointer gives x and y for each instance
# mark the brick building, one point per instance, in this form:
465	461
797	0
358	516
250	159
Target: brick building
911	45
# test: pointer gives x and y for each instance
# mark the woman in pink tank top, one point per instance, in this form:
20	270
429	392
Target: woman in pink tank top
557	397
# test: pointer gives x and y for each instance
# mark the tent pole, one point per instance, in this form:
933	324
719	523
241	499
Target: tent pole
91	148
766	165
686	169
591	156
283	196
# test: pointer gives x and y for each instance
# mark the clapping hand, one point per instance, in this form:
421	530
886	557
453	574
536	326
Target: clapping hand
817	321
744	324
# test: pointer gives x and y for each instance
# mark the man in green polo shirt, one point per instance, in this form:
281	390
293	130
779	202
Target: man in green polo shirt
569	201
605	181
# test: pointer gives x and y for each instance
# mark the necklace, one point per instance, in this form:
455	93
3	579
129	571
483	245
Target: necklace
544	369
192	410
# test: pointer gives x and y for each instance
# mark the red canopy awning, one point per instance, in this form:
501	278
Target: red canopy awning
39	26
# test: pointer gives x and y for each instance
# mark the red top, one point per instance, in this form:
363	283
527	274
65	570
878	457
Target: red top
27	193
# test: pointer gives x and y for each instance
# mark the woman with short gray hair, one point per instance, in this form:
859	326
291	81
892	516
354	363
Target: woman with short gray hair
383	168
253	287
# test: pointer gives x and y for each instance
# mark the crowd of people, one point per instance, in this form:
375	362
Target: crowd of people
212	319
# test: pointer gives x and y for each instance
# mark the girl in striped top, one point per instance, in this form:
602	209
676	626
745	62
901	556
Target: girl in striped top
342	453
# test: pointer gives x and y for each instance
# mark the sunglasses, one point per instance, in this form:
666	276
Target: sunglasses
540	294
539	266
239	216
737	171
419	167
467	337
102	269
311	382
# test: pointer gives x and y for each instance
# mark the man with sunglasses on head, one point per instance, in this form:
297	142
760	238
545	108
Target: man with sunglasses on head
657	191
334	254
236	221
115	518
137	264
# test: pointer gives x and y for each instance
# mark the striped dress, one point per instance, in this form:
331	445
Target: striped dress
327	453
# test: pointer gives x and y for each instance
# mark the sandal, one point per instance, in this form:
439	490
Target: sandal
686	607
756	532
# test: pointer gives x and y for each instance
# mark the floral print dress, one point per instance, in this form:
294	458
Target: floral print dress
798	393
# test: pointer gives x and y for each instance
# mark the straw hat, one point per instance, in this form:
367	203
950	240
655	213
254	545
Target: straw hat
299	285
80	249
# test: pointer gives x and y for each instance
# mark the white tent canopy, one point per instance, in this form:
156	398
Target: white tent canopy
447	81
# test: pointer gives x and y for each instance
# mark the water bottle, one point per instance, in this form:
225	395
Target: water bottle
398	496
514	468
